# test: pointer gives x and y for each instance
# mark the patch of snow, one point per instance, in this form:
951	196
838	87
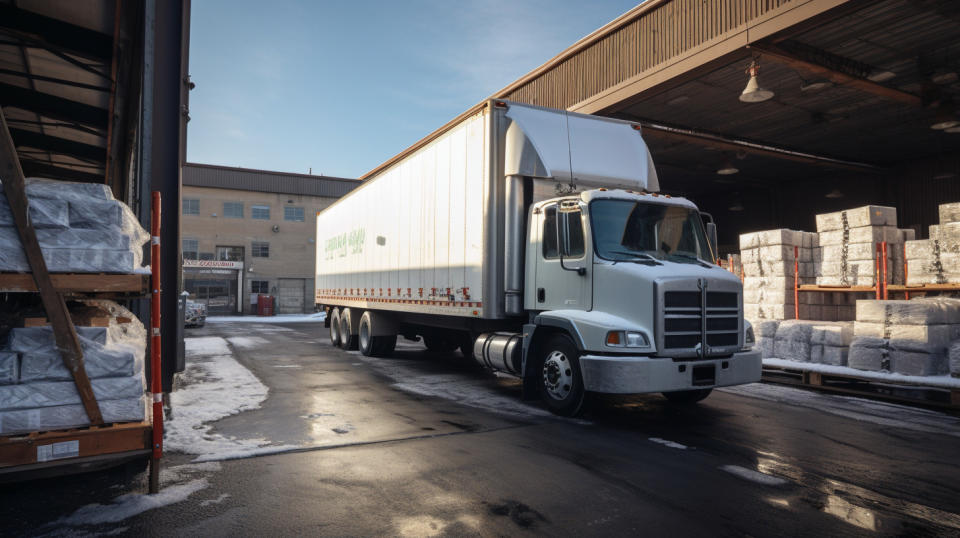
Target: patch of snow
178	473
670	444
882	413
248	342
218	500
215	386
938	381
202	346
280	318
132	504
753	476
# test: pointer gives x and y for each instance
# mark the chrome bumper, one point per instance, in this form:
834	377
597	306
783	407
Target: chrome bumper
637	375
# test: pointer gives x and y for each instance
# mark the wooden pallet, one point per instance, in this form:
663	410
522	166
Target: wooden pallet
905	392
847	289
899	288
79	283
44	449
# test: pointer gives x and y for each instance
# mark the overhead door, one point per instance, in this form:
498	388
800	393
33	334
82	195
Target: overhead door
290	296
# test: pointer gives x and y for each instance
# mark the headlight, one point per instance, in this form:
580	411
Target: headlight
748	338
627	339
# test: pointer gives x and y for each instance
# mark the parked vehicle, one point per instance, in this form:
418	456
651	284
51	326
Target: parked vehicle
535	241
195	314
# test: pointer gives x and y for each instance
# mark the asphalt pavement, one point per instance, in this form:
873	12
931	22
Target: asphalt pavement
422	444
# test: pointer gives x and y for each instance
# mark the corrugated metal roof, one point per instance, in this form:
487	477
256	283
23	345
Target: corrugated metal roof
246	179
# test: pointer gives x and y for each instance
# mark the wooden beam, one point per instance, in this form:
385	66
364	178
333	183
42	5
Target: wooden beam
779	55
68	37
64	333
77	283
52	106
57	145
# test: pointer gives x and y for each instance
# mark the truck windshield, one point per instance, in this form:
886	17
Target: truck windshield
625	230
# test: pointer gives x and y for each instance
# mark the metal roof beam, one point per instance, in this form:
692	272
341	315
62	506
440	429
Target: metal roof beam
33	168
52	106
725	143
58	145
803	59
60	34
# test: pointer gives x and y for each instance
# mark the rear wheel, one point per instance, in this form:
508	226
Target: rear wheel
373	346
334	327
348	341
559	378
687	397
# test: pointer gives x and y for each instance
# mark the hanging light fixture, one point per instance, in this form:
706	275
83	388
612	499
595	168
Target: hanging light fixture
753	93
946	118
727	168
834	194
737	205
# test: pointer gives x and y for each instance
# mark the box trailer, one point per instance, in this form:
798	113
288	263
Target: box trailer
536	241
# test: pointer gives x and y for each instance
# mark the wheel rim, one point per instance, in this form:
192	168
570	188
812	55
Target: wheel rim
558	375
364	336
344	329
334	328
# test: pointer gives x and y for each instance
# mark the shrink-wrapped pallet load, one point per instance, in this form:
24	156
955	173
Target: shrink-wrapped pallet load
907	337
39	392
770	259
937	260
848	246
81	228
954	355
830	343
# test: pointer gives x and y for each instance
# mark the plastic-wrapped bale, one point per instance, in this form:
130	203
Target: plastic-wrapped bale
929	262
772	261
33	339
830	343
949	212
792	341
954	355
870	215
878	354
44	214
70	416
765	331
775	312
99	363
848	241
924	311
9	368
97	234
57	393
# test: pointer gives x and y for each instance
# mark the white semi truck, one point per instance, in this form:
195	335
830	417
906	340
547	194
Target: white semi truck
535	241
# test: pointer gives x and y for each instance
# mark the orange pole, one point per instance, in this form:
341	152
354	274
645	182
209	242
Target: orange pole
155	386
885	294
876	283
905	275
796	282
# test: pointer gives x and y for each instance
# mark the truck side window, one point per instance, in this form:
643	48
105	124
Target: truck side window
571	234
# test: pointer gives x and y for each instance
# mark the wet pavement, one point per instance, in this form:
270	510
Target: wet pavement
421	444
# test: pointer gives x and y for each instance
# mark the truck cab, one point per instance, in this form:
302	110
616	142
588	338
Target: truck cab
624	297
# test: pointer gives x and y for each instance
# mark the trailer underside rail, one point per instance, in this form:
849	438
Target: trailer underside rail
896	391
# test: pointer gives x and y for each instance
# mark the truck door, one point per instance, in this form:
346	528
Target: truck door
563	285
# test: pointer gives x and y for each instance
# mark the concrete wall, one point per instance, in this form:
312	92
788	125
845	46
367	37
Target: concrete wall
291	247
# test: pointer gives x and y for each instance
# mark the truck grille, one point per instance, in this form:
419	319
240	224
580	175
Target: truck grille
689	315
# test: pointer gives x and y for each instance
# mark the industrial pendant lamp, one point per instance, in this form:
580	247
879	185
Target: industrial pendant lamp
753	93
946	118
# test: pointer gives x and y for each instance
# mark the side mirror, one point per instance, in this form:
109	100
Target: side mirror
712	237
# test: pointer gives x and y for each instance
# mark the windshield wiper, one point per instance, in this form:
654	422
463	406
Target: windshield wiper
691	257
640	255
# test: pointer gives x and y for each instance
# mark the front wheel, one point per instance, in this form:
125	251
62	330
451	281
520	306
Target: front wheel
559	377
687	397
373	346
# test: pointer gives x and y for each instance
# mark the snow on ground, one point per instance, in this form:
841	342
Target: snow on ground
248	342
131	504
280	318
940	381
215	386
882	413
753	476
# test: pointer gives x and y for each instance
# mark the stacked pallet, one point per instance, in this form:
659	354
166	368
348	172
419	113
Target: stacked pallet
907	337
81	228
937	260
848	246
811	341
769	262
37	391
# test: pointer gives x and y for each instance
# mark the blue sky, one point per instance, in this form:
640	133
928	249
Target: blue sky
341	86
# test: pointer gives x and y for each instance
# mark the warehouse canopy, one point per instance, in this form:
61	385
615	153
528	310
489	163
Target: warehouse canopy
69	86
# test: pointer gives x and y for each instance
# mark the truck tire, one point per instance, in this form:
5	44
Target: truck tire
373	346
687	397
334	327
559	378
348	341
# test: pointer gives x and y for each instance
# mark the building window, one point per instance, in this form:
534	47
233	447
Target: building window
206	255
259	286
191	249
230	254
293	214
260	212
191	207
233	210
260	249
